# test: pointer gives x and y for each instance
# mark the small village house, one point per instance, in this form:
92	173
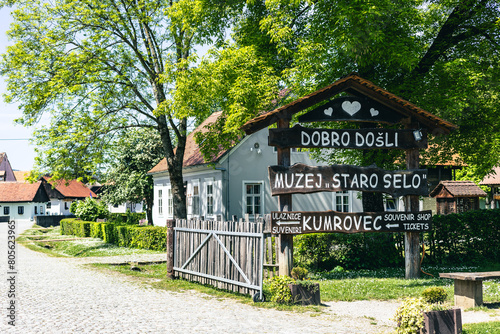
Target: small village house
456	196
23	201
235	182
62	193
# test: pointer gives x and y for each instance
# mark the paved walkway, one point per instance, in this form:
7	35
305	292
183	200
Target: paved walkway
58	295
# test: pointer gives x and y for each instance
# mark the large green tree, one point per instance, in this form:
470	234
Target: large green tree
442	55
135	153
98	67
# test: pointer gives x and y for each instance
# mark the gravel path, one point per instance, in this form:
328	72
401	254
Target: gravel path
58	295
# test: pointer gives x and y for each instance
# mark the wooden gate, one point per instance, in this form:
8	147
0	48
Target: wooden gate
227	255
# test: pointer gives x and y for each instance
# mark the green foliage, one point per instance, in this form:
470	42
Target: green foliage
323	251
279	289
409	315
440	55
129	218
96	230
135	154
299	273
468	238
147	237
89	209
434	295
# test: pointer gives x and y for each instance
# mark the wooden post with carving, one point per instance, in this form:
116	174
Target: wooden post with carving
412	239
170	248
285	256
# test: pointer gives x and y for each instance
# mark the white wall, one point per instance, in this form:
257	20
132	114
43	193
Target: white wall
29	210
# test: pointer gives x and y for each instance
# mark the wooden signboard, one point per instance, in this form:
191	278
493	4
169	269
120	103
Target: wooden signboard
299	136
352	108
301	178
298	222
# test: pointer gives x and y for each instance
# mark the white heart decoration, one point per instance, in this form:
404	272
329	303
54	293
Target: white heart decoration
351	107
374	112
328	111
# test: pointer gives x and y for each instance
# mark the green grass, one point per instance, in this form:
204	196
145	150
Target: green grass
482	328
85	247
389	283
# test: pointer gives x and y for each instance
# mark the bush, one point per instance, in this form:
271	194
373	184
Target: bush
299	273
89	209
279	290
410	317
434	295
129	218
147	237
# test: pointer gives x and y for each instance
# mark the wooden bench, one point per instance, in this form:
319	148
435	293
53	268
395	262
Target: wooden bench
469	287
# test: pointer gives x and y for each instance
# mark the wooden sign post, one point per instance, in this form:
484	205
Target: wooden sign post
367	103
412	239
285	256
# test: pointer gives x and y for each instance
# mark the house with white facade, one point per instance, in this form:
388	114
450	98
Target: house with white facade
22	201
62	193
236	183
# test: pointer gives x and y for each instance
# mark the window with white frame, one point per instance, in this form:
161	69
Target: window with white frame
20	210
209	192
342	202
6	210
160	202
170	203
195	199
253	198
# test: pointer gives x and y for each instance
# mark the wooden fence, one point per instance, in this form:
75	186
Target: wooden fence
231	255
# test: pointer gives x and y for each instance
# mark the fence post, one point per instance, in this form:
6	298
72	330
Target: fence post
170	248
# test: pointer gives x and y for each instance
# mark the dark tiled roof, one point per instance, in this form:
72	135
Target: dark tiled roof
18	191
458	189
354	85
492	179
192	154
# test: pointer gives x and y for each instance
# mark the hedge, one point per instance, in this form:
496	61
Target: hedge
145	237
469	238
129	218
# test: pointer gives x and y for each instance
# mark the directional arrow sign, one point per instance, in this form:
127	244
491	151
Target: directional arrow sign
342	222
301	178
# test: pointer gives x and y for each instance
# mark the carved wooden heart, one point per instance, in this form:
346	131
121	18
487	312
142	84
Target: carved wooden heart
351	107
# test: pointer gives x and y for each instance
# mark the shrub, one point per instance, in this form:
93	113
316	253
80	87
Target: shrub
279	290
129	218
299	273
96	230
89	209
148	237
409	316
434	295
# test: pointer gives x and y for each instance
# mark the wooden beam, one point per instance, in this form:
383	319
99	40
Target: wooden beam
285	256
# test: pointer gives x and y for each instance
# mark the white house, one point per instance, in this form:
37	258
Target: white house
236	183
62	193
22	201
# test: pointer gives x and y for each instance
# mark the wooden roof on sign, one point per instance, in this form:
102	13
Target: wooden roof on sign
352	84
448	189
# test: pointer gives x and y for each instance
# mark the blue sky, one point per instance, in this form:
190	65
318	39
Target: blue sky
13	138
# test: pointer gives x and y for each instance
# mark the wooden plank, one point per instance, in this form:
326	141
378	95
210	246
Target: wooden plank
351	109
299	136
303	222
304	179
475	276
